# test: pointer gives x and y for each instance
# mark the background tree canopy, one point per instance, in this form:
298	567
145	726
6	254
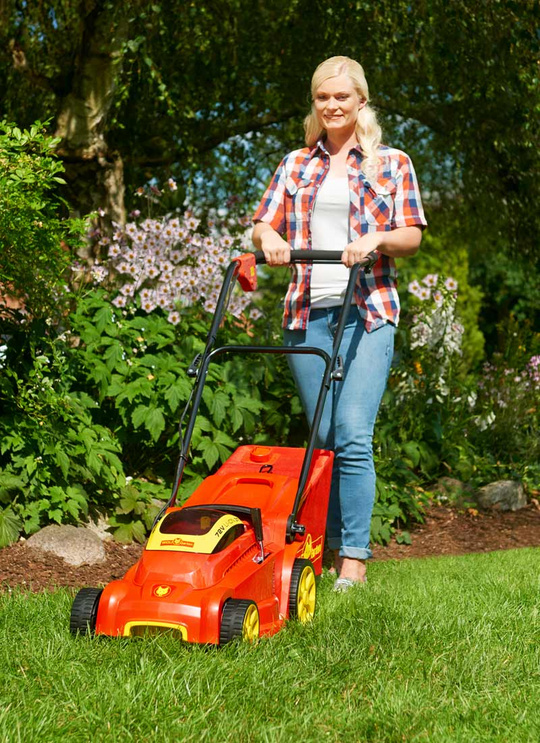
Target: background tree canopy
213	93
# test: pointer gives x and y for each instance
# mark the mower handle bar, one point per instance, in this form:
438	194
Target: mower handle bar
319	256
199	366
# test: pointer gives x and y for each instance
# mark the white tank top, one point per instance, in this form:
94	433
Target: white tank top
330	231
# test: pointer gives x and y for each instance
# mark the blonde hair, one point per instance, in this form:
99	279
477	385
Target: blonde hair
368	130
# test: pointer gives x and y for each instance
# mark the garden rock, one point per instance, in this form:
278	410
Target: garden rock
502	495
76	545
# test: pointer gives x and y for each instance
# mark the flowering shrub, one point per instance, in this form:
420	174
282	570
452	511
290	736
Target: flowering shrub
434	341
172	262
507	411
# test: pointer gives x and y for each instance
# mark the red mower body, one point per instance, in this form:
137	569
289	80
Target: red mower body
205	553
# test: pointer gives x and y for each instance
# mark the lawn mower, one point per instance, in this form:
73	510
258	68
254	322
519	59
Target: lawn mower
242	554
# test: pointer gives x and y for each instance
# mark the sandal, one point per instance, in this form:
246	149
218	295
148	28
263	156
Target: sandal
342	585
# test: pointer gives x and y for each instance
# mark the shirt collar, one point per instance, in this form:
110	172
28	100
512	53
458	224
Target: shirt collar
322	147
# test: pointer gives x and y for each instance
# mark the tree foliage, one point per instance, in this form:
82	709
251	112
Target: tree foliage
214	92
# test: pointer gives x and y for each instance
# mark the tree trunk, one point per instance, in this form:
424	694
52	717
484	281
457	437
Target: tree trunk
94	172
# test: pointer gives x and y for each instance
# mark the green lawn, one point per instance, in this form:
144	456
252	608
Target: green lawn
436	650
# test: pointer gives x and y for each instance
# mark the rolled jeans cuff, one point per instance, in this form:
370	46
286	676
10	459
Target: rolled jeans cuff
356	553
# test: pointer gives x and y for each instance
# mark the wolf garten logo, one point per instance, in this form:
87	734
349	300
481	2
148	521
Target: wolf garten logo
162	591
178	542
312	549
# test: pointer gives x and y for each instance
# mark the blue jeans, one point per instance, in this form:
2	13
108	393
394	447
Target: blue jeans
348	418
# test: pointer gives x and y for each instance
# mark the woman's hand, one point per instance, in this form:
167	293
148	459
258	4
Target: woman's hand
395	243
276	251
360	248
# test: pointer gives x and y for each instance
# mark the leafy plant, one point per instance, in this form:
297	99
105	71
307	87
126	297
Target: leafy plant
34	252
135	514
56	463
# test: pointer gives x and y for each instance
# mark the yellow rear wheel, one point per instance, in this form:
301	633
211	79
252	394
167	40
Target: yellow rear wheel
303	591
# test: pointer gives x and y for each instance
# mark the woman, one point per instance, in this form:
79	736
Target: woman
344	191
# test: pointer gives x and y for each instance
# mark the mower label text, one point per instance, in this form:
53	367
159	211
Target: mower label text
312	549
177	542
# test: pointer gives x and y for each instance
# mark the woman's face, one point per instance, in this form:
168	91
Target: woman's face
337	104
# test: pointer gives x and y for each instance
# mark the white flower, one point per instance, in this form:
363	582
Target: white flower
451	284
119	301
484	421
172	184
424	293
99	274
414	287
420	335
127	290
174	317
148	304
431	279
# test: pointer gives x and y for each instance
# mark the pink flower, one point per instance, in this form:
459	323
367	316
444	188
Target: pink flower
174	317
148	305
431	279
119	301
451	284
127	290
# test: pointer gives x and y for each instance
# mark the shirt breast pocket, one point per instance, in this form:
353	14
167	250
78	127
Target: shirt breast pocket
294	184
299	190
379	202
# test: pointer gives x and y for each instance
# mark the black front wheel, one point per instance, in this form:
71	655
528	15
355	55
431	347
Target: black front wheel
84	611
240	618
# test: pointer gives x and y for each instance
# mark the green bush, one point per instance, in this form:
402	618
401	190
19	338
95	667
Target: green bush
56	462
34	242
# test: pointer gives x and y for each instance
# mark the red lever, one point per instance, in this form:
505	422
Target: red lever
247	273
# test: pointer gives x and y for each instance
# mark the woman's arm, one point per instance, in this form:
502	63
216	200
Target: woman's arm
276	251
396	243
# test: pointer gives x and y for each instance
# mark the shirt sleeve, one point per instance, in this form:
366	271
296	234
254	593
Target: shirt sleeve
271	210
408	210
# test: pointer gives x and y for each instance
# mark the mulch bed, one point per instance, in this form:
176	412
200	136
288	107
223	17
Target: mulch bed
446	531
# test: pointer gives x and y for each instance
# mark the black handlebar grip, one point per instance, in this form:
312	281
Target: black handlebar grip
319	256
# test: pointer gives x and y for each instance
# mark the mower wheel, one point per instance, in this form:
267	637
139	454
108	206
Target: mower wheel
303	591
240	618
84	611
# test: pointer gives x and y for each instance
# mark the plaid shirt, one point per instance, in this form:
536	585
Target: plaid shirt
393	201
